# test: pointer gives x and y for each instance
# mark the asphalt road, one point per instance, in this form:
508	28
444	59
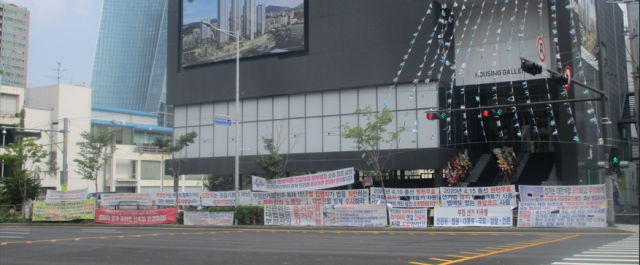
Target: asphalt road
157	246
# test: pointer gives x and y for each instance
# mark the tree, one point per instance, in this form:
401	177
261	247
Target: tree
93	155
18	156
224	182
274	164
174	150
369	137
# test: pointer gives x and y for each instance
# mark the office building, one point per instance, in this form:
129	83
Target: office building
223	21
129	70
14	32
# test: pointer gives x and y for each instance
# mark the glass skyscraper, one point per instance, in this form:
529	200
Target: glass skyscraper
129	70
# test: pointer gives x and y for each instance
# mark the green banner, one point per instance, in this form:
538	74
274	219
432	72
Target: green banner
64	211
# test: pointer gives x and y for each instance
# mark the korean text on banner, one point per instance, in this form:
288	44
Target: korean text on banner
480	196
339	197
65	196
562	206
354	215
296	215
474	216
412	197
226	198
63	211
142	217
316	181
117	198
284	198
403	217
208	218
184	198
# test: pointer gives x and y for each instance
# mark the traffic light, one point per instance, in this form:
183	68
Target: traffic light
560	79
614	159
497	112
530	67
485	113
432	116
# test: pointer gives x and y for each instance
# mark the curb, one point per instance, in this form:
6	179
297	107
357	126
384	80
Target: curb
607	230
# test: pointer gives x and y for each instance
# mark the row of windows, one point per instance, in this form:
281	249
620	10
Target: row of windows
10	19
14	67
17	13
14	75
12	51
17	44
20	37
8	58
13	28
16	84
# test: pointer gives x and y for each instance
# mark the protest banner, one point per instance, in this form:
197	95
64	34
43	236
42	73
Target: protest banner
296	215
136	217
284	198
118	198
474	216
355	215
66	196
562	206
208	218
339	197
316	181
64	211
412	197
478	196
184	198
226	198
404	217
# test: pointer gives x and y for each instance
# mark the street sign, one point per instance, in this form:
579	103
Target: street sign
542	49
222	121
568	75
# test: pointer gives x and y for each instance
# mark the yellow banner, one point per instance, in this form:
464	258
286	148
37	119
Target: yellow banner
64	211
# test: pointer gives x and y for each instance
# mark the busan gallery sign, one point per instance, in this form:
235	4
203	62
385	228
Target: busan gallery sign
316	181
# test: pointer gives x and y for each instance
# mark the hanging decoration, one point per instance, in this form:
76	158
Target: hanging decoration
577	46
463	66
506	163
494	89
458	169
484	44
465	132
554	31
564	94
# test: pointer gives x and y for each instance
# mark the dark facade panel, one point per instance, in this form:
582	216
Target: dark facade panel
351	44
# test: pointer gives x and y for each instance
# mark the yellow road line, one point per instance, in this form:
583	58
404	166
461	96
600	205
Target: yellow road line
418	263
456	256
484	250
445	260
508	249
53	241
470	253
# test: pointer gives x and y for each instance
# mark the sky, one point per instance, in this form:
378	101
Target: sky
62	31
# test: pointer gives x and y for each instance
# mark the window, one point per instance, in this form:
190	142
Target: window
8	104
14	67
17	13
16	84
20	37
14	28
8	58
150	170
12	51
17	21
14	75
13	43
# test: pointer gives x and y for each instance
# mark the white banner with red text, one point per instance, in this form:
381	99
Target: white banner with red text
316	181
293	215
208	218
408	217
478	196
474	216
427	197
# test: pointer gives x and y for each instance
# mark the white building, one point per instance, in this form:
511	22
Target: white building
136	166
262	19
250	19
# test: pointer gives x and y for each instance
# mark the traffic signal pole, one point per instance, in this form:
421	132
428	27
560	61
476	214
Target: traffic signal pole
606	128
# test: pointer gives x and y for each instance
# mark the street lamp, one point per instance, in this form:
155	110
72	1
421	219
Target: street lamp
4	132
235	34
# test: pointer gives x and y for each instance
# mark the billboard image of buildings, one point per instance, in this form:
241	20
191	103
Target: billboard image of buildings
265	27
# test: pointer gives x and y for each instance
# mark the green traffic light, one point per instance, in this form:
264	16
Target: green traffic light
499	112
443	115
615	160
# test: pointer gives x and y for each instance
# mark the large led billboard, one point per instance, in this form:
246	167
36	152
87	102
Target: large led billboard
265	27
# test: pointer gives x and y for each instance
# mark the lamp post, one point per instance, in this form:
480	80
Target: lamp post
4	132
235	34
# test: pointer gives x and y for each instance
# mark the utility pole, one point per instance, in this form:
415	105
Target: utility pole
64	179
58	77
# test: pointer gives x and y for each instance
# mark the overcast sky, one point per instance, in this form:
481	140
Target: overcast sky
62	31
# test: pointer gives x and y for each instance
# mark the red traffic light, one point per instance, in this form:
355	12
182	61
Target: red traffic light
485	113
432	116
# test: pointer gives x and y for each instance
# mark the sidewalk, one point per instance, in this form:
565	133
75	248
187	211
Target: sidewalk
631	216
628	228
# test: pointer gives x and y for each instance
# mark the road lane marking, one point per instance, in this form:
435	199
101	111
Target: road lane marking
547	240
456	256
470	253
614	260
606	256
53	241
418	263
